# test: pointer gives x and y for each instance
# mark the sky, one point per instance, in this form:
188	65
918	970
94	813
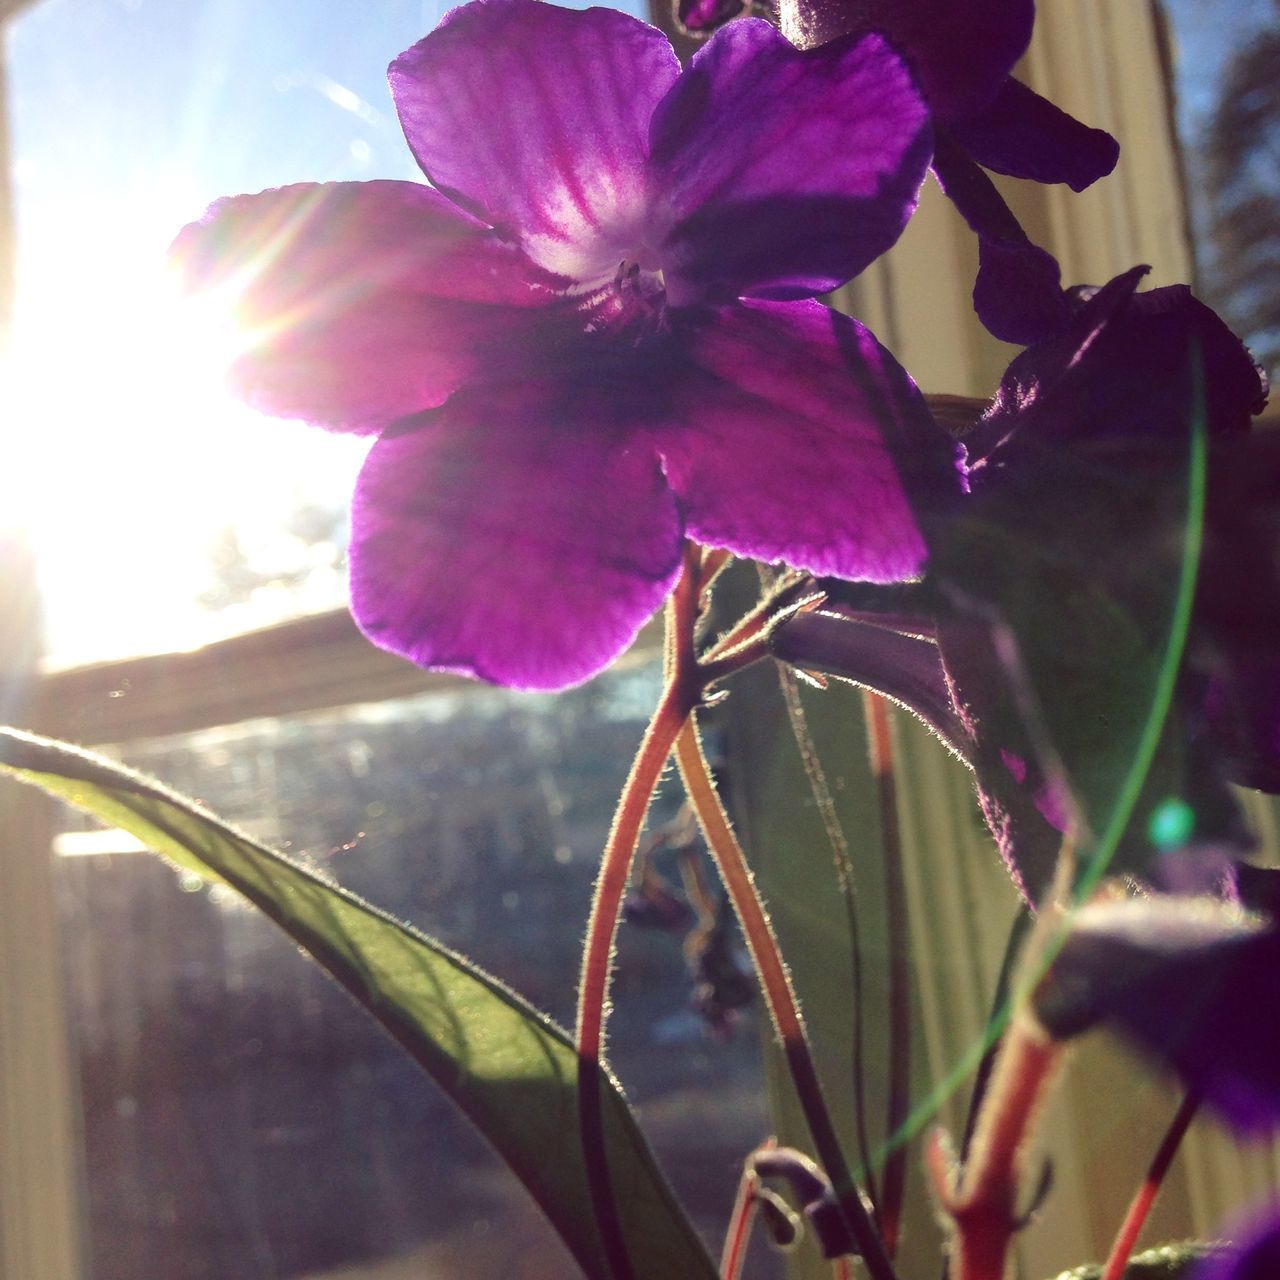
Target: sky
1206	34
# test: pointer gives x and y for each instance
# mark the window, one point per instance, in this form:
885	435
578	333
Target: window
128	116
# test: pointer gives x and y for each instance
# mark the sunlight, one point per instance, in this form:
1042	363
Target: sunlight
129	455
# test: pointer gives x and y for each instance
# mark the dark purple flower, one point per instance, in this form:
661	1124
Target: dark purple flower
1060	577
1049	595
594	333
1193	982
1256	1251
962	52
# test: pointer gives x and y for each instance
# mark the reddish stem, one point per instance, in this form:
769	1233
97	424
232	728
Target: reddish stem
674	709
738	1235
779	995
984	1208
1146	1194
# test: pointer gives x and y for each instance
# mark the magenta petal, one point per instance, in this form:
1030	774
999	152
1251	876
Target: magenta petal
906	668
1026	136
361	302
797	437
698	17
537	119
786	172
490	539
960	50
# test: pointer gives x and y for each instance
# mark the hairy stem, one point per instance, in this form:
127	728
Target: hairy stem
983	1208
674	709
738	1236
779	996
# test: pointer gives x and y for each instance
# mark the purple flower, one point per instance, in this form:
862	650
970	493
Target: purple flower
1080	482
1052	584
1256	1255
594	333
962	52
1192	982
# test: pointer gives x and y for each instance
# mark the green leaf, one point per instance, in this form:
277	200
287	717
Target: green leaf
506	1066
1087	562
1168	1262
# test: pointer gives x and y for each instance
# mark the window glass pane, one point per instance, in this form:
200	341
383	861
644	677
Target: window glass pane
243	1118
1227	77
163	514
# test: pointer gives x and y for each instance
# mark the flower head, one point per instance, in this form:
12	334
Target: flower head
962	53
1256	1255
1061	580
593	334
1036	648
1191	982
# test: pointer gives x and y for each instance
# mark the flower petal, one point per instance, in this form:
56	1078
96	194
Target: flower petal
1025	136
795	436
1129	366
1018	295
786	172
1236	654
699	17
362	302
903	667
961	50
492	538
537	119
1192	982
1256	1255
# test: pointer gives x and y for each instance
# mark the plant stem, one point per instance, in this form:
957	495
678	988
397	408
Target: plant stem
1146	1194
674	709
848	891
738	1235
755	623
894	1182
779	995
984	1206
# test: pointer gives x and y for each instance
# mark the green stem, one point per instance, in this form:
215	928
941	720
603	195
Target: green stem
894	1183
843	861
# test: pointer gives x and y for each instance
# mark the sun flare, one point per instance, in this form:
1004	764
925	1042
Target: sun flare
127	454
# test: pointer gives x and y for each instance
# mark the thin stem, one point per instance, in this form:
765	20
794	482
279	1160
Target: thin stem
779	995
899	1101
755	622
848	891
673	711
727	661
1146	1194
996	1024
738	1236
